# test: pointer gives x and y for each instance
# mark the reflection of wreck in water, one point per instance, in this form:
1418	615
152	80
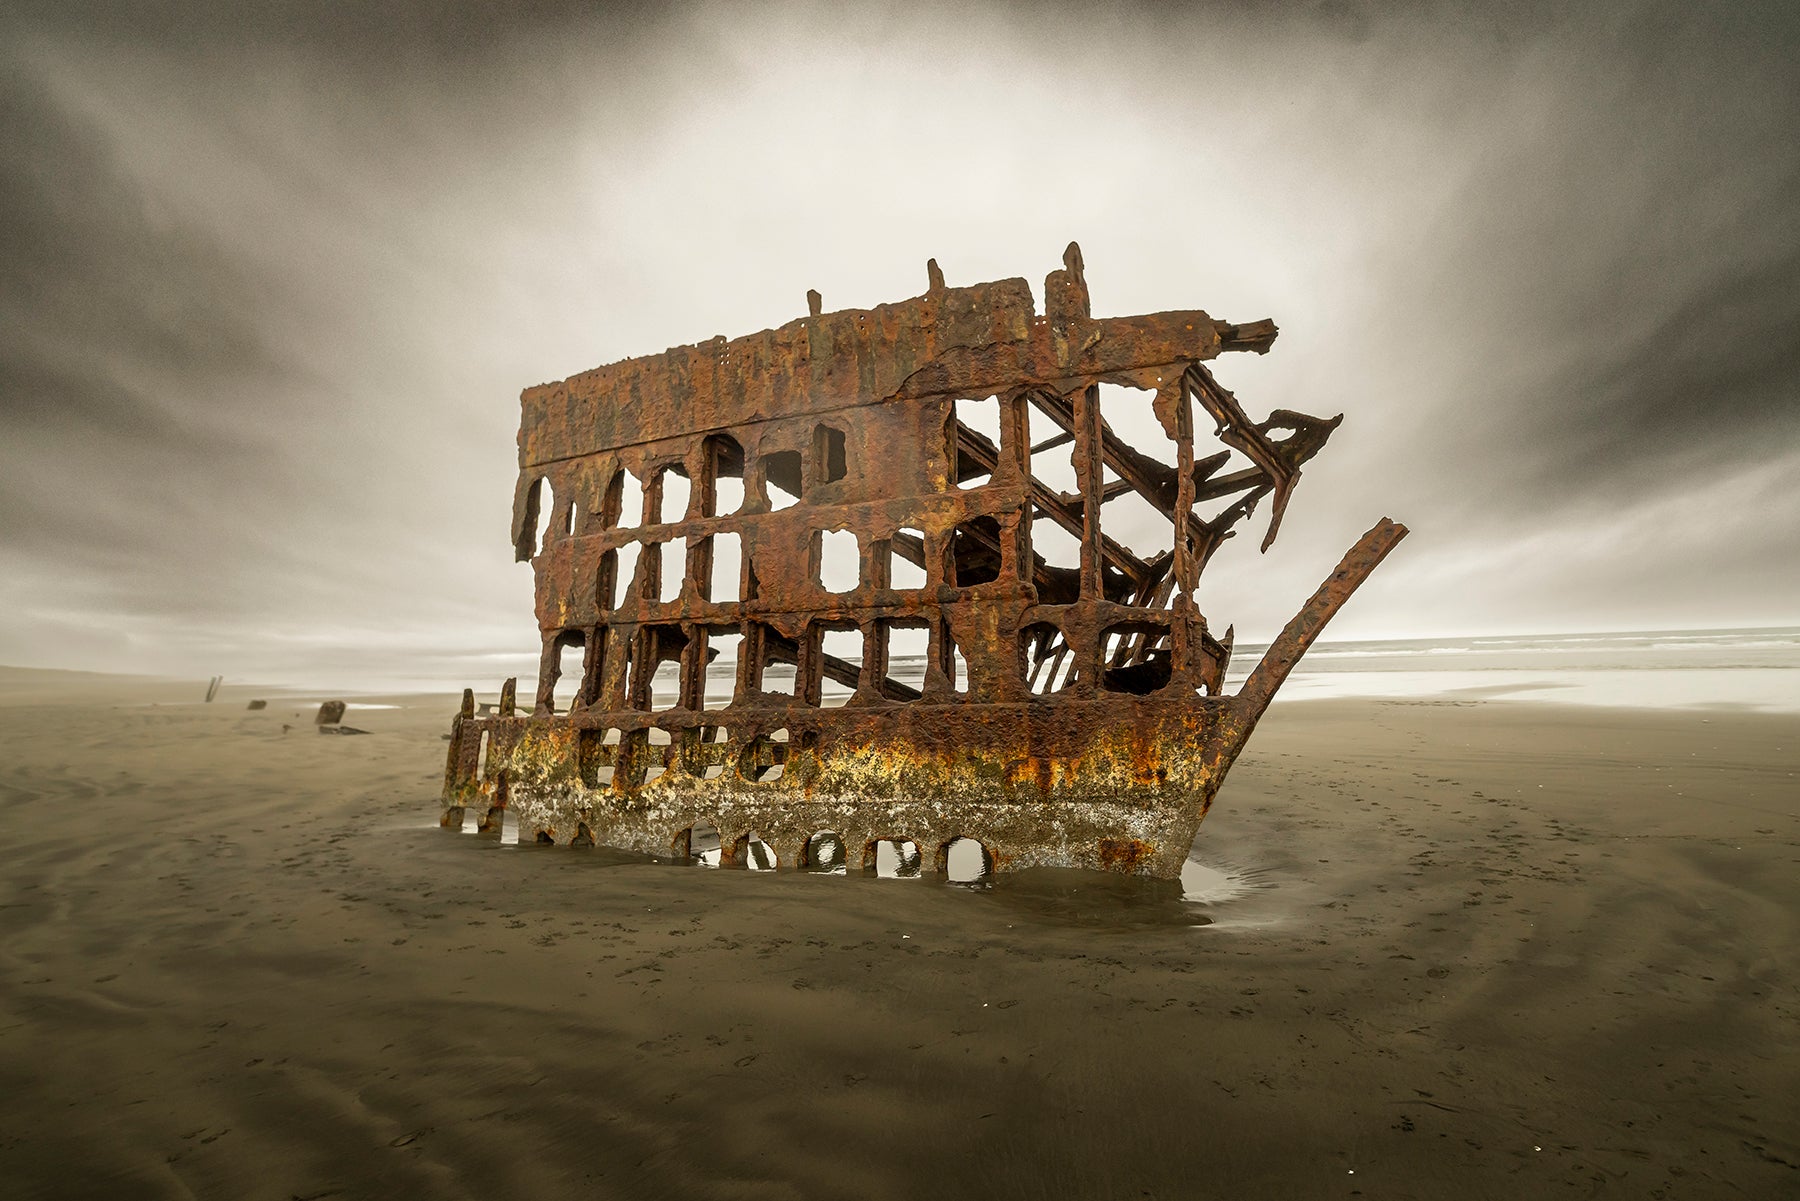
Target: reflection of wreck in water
954	447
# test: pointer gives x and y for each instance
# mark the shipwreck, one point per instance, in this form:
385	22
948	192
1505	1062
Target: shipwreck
887	586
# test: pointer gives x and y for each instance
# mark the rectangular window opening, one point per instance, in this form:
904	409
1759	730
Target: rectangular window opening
674	569
975	553
539	504
764	761
1136	657
1055	561
840	561
618	572
677	495
629	496
1045	657
727	463
655	680
705	752
840	662
594	756
779	660
781	479
908	643
723	646
974	441
726	568
665	685
906	560
829	462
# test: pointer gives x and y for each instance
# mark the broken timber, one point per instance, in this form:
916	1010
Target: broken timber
1070	708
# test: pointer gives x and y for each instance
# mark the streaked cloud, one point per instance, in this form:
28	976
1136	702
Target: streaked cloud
273	280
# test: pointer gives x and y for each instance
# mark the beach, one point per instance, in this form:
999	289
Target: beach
1438	945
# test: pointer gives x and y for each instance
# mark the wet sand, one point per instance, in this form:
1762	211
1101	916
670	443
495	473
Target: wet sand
1481	949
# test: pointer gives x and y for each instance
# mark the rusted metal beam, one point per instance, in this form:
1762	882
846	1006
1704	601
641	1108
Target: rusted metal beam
1236	430
1304	628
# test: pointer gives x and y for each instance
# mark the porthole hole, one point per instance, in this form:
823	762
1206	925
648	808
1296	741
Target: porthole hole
897	859
753	853
966	861
703	844
826	854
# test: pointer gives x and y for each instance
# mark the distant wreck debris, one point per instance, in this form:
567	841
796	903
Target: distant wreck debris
329	720
257	705
212	688
722	532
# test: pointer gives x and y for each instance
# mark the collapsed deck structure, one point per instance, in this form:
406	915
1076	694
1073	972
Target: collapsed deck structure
751	544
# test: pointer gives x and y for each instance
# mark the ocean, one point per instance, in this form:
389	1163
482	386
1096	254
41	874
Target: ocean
1752	669
1742	669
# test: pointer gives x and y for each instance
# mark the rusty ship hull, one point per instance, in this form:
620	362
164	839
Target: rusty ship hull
1070	711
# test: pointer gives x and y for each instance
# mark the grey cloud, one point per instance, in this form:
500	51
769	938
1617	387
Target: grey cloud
87	271
373	37
96	298
269	299
191	449
1612	290
1722	371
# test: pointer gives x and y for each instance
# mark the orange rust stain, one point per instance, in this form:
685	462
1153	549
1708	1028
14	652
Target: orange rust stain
1124	854
1146	760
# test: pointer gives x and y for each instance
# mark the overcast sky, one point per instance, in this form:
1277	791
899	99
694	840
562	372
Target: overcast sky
270	285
